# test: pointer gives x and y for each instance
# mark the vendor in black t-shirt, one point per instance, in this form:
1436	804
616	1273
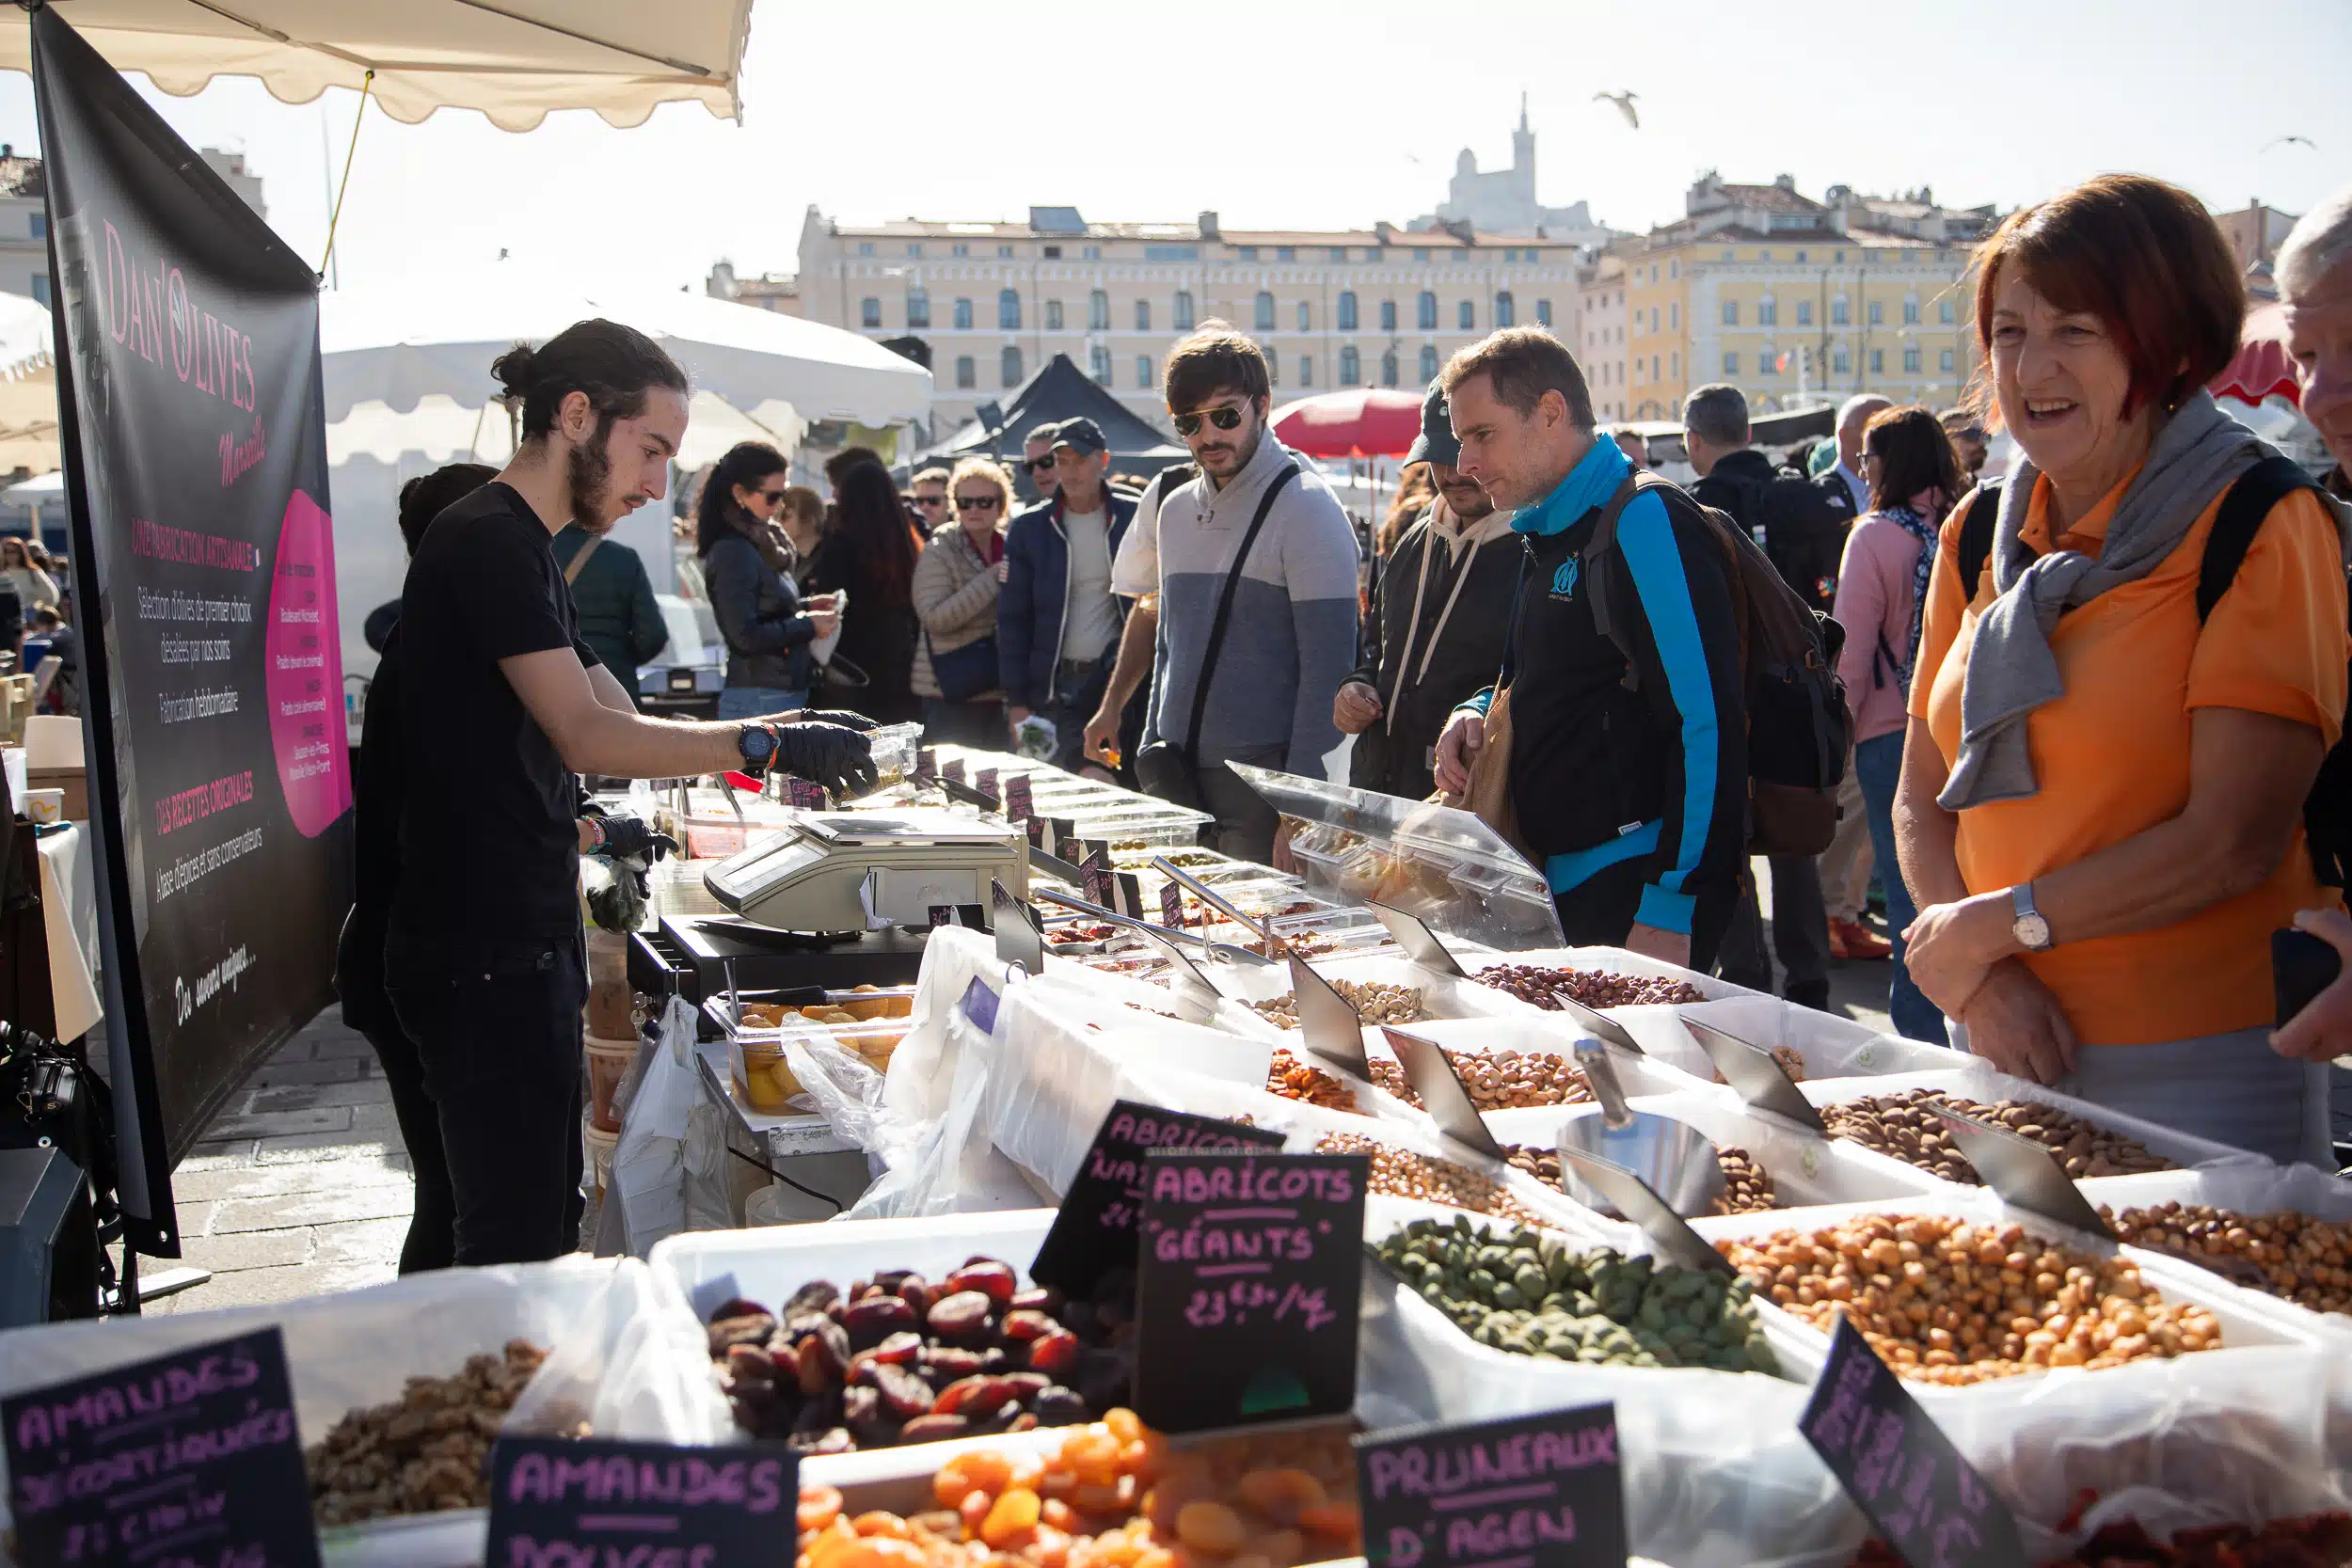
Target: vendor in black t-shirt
500	703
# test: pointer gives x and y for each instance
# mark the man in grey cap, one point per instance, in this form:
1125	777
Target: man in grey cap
1440	608
1057	621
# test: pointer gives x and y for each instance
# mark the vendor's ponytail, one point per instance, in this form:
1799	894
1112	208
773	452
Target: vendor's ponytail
614	365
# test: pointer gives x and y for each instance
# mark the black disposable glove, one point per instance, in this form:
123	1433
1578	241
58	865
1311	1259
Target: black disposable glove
834	755
840	715
632	838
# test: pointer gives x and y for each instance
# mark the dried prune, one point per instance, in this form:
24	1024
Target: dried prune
1028	1323
875	1319
750	1364
831	1440
1039	1298
752	1328
996	1280
933	1428
903	1394
951	1362
816	1296
967	1395
962	1315
1057	1406
1055	1352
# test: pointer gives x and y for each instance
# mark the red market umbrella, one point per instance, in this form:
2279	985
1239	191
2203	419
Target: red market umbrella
2262	367
1361	421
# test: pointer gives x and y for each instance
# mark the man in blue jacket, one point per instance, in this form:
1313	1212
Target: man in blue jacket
1629	752
1057	621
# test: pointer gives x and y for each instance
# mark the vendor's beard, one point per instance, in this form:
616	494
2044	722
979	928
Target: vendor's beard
589	473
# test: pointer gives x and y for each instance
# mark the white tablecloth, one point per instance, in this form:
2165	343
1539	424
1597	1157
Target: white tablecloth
69	902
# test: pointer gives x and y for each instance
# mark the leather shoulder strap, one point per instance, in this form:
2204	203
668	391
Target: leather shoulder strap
1976	536
571	573
2249	500
1225	609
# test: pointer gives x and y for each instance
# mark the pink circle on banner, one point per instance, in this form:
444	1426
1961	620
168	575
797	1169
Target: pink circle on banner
304	679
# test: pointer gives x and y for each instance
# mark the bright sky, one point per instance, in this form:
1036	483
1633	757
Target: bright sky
1313	114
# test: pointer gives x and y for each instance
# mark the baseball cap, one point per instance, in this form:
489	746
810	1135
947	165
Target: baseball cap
1436	442
1082	436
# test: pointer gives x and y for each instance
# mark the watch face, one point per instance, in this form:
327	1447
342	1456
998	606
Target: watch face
2033	931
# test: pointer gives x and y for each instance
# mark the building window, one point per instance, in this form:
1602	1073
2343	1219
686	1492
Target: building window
1098	312
1273	364
1421	253
963	315
1004	252
1427	309
1143	317
1674	364
1339	253
1053	315
1764	255
1766	363
1506	314
1768	312
1839	257
1653	272
1428	363
1637	371
1388	315
1878	313
1543	313
1840	362
1804	313
1347	310
1839	315
1944	312
1467	315
1285	253
1878	361
1171	253
865	247
1266	312
1306	317
1731	363
870	311
1653	367
1099	364
1092	253
914	250
1727	255
1653	318
41	225
1246	253
1910	312
960	249
1911	359
1008	363
1306	370
1799	257
918	306
1387	368
1674	268
1052	252
967	373
1008	312
1351	372
1731	312
1673	317
1943	361
1183	311
1143	373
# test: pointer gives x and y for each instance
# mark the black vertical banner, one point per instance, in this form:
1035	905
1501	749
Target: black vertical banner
205	577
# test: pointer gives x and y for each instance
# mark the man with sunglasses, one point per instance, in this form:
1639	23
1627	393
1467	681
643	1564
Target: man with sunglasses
1967	433
1260	532
1056	622
1037	460
929	490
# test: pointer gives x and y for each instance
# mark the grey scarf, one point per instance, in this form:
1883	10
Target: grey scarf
2197	454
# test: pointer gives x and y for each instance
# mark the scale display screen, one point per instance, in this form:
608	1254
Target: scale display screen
767	866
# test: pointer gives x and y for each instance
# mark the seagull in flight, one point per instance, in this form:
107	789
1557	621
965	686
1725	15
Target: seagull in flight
1624	100
2299	141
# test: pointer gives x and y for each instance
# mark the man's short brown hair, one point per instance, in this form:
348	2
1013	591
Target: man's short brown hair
1524	363
929	476
1217	358
2142	256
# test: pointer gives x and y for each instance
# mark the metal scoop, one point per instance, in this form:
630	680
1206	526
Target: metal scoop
1673	1157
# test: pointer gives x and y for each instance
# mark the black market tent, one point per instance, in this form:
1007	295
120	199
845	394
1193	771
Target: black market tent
1060	390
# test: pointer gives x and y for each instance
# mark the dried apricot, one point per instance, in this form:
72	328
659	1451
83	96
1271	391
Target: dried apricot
1124	1424
820	1506
1282	1548
1337	1520
1009	1522
1281	1495
1093	1457
876	1522
975	1509
1210	1526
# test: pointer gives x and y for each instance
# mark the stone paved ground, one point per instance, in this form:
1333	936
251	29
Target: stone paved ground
302	1185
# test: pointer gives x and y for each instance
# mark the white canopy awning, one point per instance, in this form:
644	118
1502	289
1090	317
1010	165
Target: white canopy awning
514	60
424	336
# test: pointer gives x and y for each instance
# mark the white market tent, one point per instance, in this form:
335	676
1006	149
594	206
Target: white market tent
514	61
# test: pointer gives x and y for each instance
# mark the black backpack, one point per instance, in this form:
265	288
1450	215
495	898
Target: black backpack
2327	809
1804	523
1799	731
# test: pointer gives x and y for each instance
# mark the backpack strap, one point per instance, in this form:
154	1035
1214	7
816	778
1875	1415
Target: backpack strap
1225	611
1976	537
1591	558
2251	497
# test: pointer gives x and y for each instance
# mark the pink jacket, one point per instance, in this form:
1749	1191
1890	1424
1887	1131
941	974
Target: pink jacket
1874	599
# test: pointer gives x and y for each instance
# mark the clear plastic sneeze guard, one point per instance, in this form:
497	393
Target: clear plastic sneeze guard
1444	865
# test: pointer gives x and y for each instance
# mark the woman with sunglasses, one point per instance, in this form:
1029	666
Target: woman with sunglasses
767	629
955	598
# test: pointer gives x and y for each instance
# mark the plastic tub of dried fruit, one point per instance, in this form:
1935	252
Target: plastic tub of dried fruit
1768	1162
1716	1474
1520	1059
635	1367
1808	1042
1889	1118
2280	1236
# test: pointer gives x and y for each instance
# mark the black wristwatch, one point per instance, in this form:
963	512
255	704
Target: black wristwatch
760	744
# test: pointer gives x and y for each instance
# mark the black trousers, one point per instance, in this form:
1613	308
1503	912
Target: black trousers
1800	934
496	1027
1601	910
432	1241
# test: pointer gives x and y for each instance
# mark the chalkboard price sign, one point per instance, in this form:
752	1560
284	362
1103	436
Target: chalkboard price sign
1926	1501
191	1457
1246	1287
1172	906
559	1501
1540	1491
1020	803
1094	1230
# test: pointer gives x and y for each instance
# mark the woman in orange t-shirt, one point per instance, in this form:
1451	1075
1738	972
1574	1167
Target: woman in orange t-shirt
2101	806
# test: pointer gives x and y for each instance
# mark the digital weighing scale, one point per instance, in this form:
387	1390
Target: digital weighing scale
857	871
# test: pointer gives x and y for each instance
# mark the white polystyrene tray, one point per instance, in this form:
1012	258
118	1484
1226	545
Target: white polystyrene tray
1979	1081
1832	1047
1526	1029
2242	1330
1806	1171
767	1264
1617	960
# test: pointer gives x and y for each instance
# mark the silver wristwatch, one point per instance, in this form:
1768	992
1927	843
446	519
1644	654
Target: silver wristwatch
2030	929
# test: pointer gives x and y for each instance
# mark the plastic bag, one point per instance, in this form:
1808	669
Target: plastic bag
947	1165
648	1178
623	1368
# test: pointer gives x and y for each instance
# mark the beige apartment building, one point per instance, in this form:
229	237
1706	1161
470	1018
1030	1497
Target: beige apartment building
1596	336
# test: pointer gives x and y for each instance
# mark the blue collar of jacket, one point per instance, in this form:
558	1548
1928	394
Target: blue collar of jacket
1589	485
1117	511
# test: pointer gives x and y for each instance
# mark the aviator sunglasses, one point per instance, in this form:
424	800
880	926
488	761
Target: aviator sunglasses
1226	418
